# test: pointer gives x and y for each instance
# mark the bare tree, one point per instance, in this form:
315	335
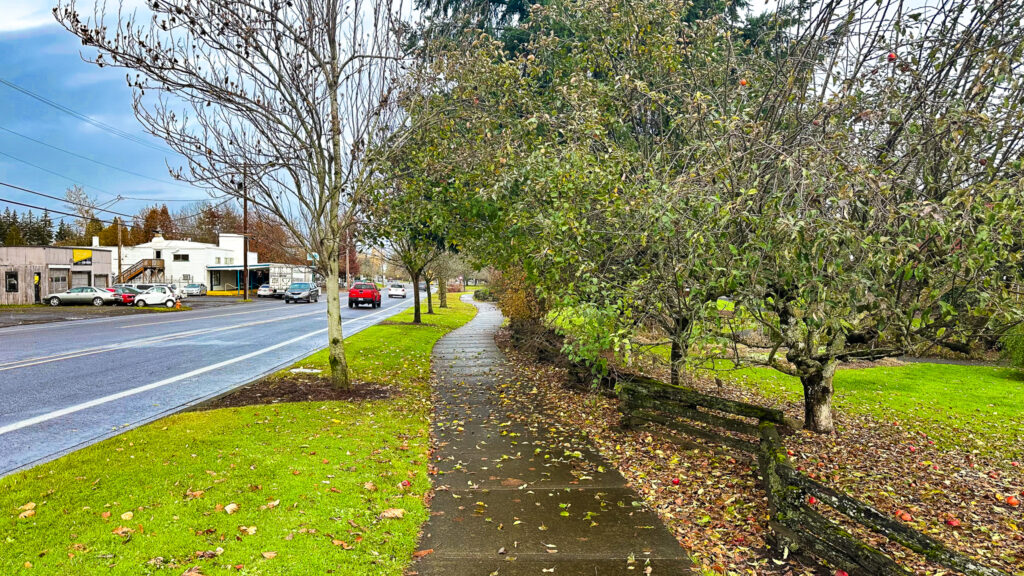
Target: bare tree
412	254
79	201
276	103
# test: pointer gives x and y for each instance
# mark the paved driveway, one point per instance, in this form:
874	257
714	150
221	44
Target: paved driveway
64	385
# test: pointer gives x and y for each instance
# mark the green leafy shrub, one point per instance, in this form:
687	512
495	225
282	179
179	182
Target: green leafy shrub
1013	346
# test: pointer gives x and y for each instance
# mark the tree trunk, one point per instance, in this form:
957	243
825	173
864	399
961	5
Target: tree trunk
335	337
416	317
442	292
430	299
680	344
676	356
818	398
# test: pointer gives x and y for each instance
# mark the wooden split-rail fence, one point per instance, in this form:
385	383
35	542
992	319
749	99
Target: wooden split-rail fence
794	523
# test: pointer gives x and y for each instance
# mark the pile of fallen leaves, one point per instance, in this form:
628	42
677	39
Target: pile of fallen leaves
711	497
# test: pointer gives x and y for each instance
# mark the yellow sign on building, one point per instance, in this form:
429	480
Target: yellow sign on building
81	257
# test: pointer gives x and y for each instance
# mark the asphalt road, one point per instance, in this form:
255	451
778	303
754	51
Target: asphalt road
65	385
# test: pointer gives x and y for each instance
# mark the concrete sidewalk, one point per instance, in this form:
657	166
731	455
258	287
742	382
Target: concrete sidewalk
517	499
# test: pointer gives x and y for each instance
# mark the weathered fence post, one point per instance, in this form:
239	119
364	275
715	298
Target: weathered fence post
770	456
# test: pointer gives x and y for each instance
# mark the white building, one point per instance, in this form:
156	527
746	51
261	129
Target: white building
181	261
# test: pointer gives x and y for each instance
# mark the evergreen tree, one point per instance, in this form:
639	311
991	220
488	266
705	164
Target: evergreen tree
14	237
45	230
65	234
93	228
7	219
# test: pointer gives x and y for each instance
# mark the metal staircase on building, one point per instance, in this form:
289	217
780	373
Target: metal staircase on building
154	266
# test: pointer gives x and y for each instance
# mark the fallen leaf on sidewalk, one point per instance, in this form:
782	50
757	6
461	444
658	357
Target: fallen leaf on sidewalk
422	553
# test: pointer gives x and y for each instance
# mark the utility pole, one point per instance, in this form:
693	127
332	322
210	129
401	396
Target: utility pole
245	234
120	249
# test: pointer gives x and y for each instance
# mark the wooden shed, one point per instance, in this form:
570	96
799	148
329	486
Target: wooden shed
31	273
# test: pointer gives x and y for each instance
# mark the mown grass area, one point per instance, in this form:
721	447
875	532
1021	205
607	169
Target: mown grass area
163	308
970	407
310	481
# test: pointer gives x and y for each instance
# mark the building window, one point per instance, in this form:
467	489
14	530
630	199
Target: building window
218	259
181	257
229	261
11	281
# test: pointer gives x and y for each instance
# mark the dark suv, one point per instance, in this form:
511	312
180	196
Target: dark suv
301	291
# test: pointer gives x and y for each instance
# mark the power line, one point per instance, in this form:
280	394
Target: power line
34	207
164	199
86	158
65	200
95	208
97	188
101	125
57	174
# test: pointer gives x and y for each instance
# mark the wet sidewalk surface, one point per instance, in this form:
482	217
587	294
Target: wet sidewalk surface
517	498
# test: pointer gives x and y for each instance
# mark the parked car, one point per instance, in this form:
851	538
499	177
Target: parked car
264	291
364	293
126	298
157	296
83	295
194	290
172	287
302	291
396	291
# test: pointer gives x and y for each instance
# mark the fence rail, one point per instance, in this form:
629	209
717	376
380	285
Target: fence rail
794	523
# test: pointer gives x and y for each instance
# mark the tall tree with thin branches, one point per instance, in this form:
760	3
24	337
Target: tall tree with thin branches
273	102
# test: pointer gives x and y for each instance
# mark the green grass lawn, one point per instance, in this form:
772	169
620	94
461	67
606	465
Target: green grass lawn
155	500
972	407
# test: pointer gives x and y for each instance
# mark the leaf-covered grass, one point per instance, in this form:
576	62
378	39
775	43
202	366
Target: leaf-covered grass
970	407
297	472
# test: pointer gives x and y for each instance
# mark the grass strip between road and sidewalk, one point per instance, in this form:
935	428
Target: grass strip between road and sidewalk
310	481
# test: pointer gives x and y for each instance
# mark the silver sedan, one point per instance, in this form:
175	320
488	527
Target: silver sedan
83	295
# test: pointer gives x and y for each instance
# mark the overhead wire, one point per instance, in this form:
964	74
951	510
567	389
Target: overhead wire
50	210
86	158
101	125
91	207
94	187
57	174
65	200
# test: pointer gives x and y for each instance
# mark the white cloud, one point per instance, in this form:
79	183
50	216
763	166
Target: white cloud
27	14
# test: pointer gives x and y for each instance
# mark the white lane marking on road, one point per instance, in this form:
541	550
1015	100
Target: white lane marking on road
145	324
25	363
78	322
124	394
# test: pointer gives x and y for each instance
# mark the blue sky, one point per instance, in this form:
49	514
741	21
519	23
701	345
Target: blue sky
40	56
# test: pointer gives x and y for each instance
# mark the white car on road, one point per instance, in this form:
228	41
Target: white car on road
157	296
396	291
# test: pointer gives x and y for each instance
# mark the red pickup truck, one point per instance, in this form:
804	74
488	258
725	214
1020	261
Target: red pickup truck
364	293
